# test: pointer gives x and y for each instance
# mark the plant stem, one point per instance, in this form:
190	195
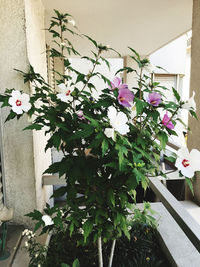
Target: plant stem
140	88
100	252
62	49
112	253
94	66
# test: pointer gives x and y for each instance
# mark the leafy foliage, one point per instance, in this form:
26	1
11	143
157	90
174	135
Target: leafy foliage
101	173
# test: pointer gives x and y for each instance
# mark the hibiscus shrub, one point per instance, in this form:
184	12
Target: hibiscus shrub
110	144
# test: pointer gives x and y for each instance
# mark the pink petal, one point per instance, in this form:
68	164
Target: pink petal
117	82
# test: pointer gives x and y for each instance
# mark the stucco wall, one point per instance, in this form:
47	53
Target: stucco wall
17	145
22	40
36	47
194	136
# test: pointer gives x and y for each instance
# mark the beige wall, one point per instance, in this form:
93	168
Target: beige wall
194	136
19	147
36	47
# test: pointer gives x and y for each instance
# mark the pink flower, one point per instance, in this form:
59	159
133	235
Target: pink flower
154	99
125	96
117	83
80	115
167	122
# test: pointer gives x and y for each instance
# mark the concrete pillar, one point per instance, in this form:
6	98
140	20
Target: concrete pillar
21	23
194	136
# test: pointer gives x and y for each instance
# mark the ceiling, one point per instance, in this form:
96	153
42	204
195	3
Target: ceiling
145	25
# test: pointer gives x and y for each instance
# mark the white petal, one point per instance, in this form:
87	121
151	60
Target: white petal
16	94
178	163
63	97
122	118
47	220
12	101
190	104
187	171
69	98
63	87
25	98
183	153
112	113
122	129
26	107
110	133
17	109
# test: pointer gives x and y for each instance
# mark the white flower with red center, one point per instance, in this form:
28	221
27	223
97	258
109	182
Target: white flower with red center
47	220
118	122
187	163
65	93
190	104
19	102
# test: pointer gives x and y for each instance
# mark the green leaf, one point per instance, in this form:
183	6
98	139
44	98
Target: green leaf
176	94
133	50
76	263
38	225
122	151
193	114
87	131
189	182
104	147
140	105
144	182
93	41
35	215
111	196
163	138
11	116
59	192
64	265
106	61
138	175
80	78
71	228
34	126
87	228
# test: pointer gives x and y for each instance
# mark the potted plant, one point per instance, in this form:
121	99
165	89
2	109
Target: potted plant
110	144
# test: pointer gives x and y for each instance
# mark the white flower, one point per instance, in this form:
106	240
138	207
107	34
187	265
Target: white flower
151	68
65	93
26	244
62	212
190	104
81	231
187	163
24	232
110	133
47	220
118	120
19	102
72	22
